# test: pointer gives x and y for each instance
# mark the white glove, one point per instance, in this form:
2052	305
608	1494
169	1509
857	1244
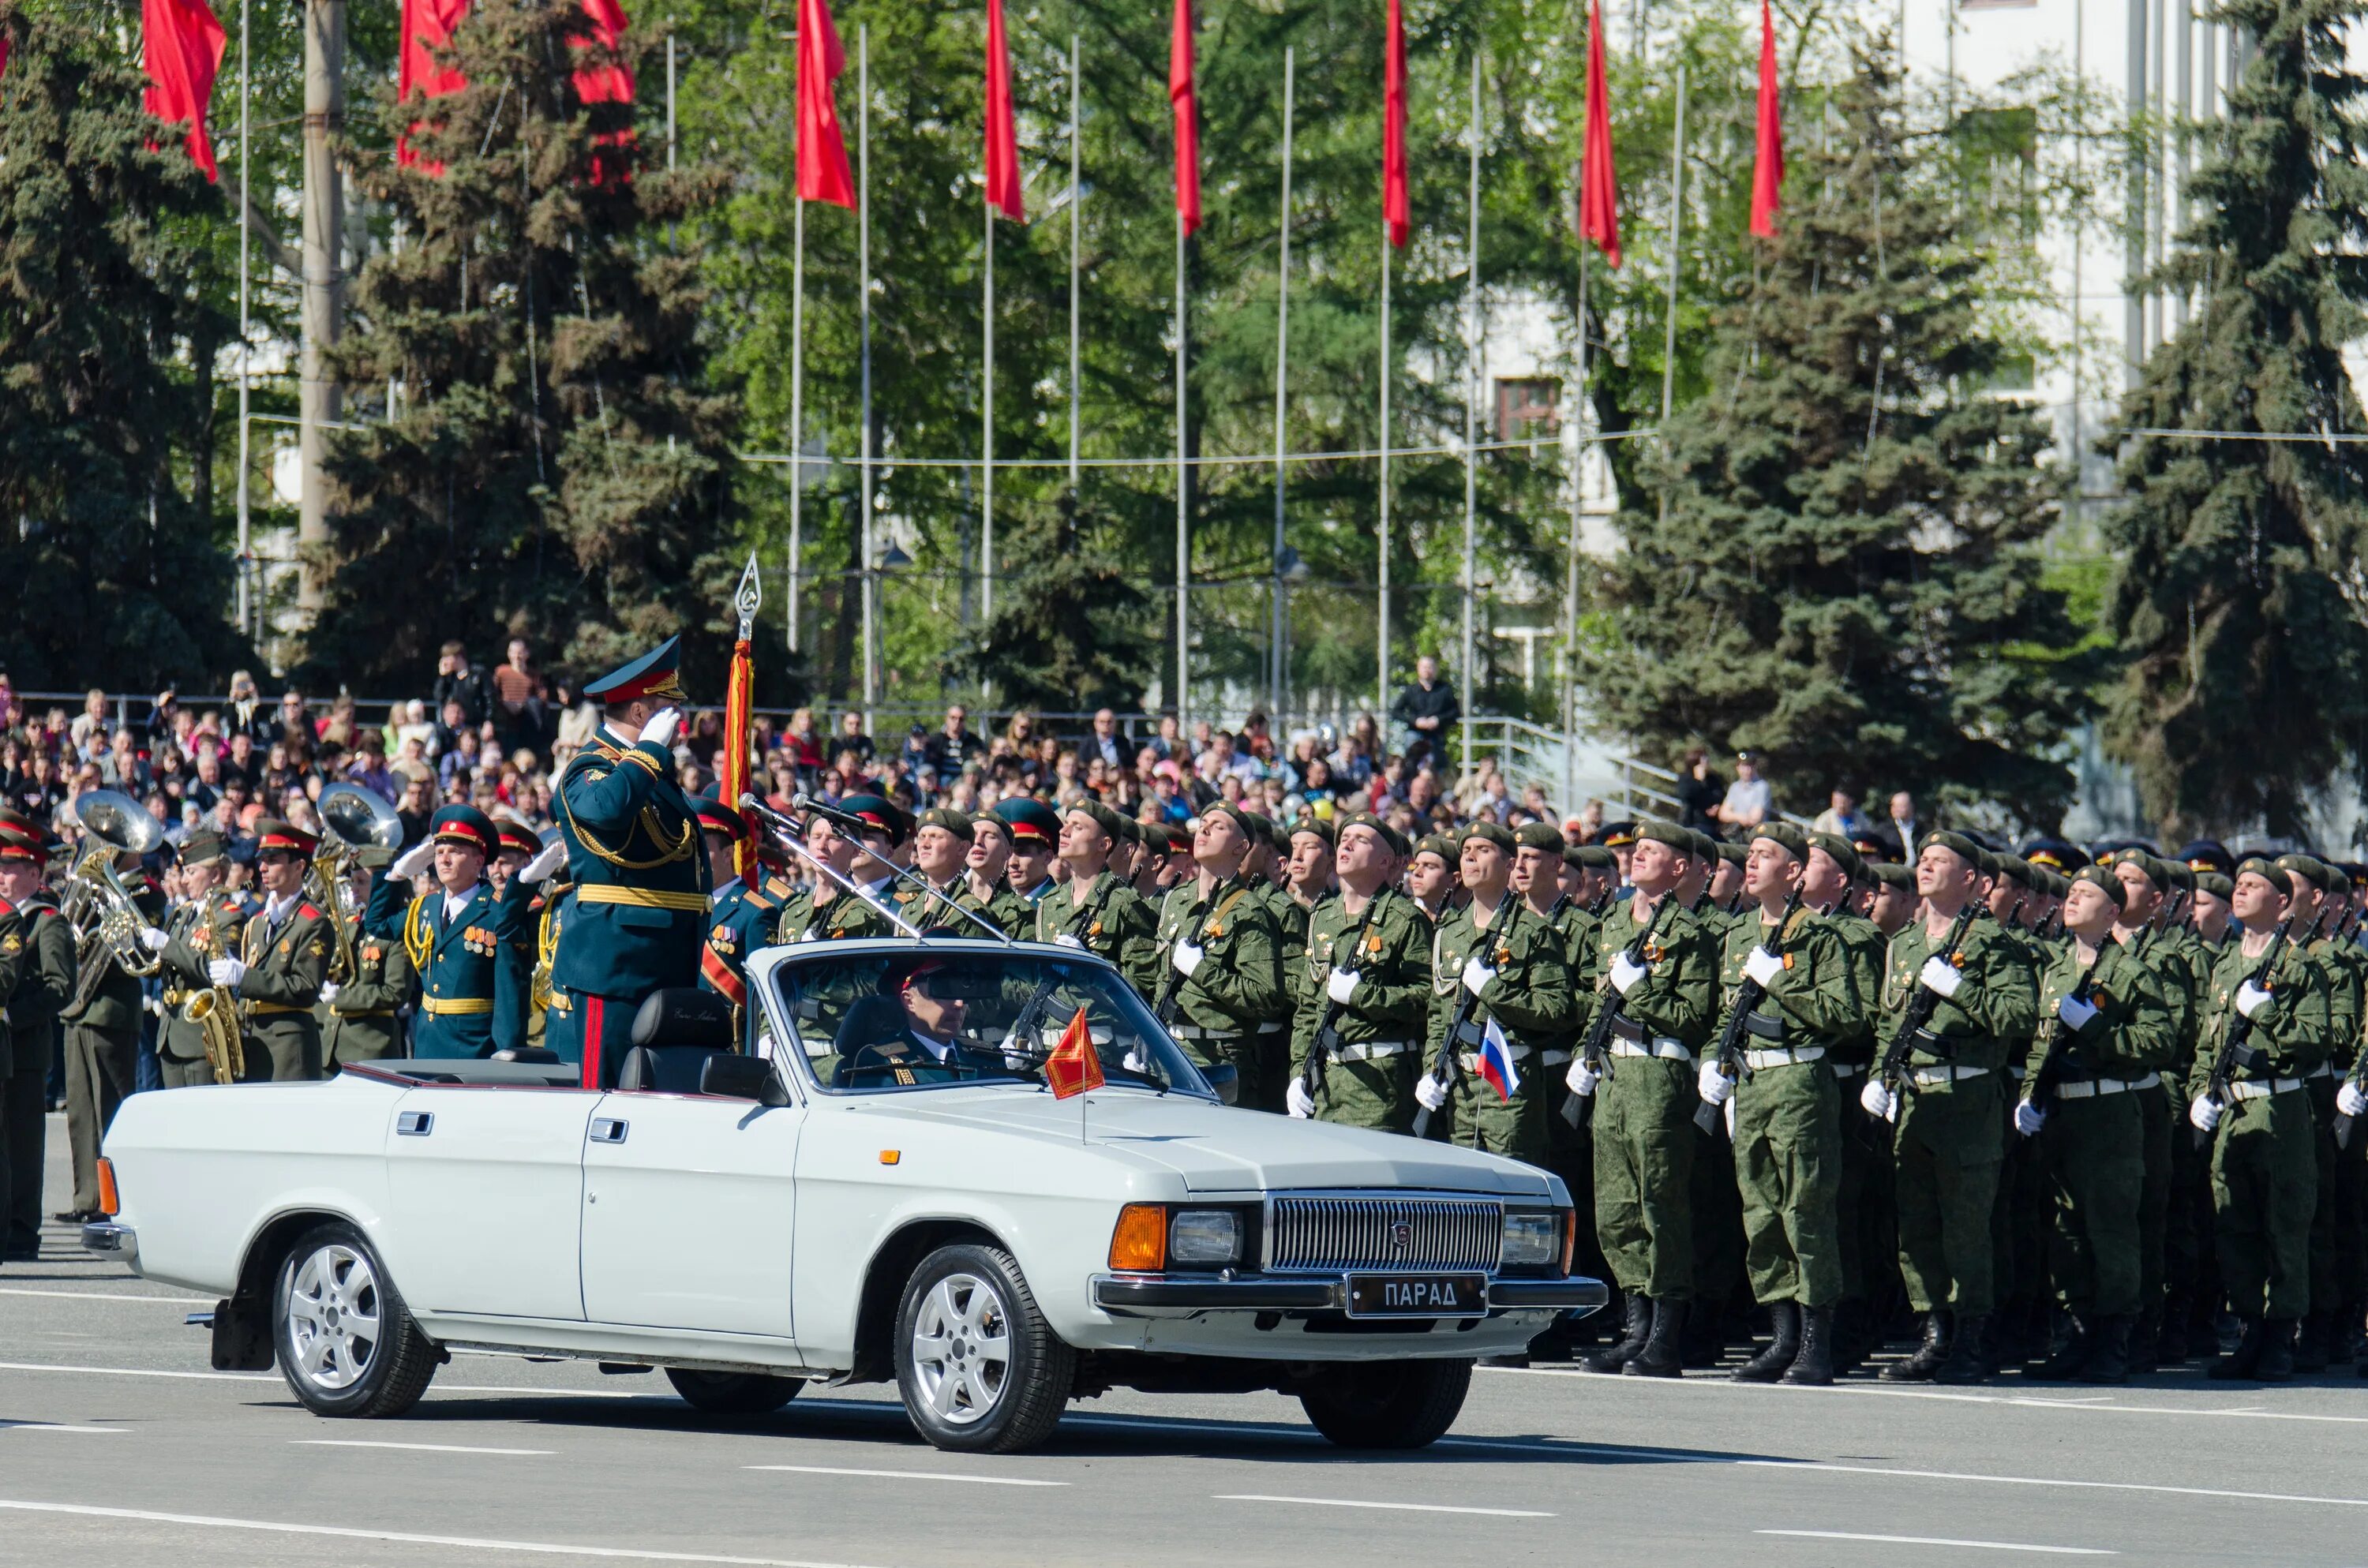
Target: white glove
553	855
1068	939
153	940
1186	958
1136	1062
328	992
1301	1103
2204	1114
1730	1121
2251	999
1581	1078
2027	1119
1624	975
1939	974
2349	1100
1476	974
1877	1099
1430	1093
662	726
2074	1013
415	860
1714	1085
1763	967
1342	985
226	971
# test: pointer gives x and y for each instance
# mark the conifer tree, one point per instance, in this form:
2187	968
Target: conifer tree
1073	634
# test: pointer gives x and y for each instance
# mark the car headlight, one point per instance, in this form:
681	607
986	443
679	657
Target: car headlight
1205	1235
1530	1241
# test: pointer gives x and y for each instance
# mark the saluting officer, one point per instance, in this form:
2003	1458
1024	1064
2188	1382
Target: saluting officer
985	888
941	841
45	983
364	1011
281	961
474	978
1949	1116
1218	938
204	926
739	922
1364	999
639	909
1095	909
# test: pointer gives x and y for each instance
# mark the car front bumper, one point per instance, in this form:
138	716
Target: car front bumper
109	1239
1138	1296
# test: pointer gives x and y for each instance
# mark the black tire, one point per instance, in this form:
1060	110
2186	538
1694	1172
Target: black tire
1386	1404
990	1406
344	1338
732	1393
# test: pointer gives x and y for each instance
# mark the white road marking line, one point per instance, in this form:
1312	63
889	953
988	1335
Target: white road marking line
1948	1540
274	1377
1399	1508
110	1296
403	1537
53	1426
2053	1480
421	1447
906	1474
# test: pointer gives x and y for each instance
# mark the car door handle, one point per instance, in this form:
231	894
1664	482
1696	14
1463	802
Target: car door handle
607	1129
415	1123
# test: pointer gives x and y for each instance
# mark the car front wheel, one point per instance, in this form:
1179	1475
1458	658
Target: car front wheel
1386	1404
979	1369
345	1342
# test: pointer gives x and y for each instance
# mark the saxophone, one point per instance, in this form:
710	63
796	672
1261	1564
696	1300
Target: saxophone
214	1011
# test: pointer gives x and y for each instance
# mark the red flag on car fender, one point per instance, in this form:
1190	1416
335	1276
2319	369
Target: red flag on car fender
1768	171
823	174
1398	214
1599	181
1075	1066
182	44
1181	96
1003	192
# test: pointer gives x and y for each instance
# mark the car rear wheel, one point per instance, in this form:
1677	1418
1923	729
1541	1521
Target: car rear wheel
1386	1404
980	1370
732	1393
345	1342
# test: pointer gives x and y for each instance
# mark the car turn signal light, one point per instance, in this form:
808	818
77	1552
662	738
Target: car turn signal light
1139	1245
109	1203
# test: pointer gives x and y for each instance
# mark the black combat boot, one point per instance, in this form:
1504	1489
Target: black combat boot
2145	1335
1814	1363
2277	1362
2170	1344
1920	1364
2310	1349
1968	1359
1769	1363
2238	1364
2071	1355
1636	1321
1852	1338
2109	1357
1661	1357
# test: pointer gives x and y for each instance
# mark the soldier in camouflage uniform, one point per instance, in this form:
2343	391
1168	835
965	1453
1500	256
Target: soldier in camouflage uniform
1430	875
1220	957
986	889
2019	1214
1365	990
2170	956
1035	842
1095	909
2335	1235
941	841
1831	878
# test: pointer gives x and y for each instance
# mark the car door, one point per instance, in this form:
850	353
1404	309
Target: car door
688	1212
486	1194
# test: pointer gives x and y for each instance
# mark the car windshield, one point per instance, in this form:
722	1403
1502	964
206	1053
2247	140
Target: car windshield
907	1018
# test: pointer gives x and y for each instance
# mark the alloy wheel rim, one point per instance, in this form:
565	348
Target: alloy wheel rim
962	1349
333	1317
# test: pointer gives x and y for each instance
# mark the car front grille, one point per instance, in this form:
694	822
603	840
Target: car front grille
1326	1233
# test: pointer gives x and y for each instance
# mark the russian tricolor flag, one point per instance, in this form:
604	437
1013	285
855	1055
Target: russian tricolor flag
1496	1063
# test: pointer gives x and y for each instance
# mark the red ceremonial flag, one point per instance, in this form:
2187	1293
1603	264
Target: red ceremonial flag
1188	118
1003	191
607	82
427	26
1768	173
823	174
1397	212
183	46
1599	182
1075	1066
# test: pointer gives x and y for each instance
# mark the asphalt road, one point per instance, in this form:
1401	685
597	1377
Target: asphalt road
119	1446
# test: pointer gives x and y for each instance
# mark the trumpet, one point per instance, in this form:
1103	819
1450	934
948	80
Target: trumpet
106	921
352	820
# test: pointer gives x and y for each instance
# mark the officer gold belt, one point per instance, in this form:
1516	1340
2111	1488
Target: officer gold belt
647	898
2092	1088
265	1009
439	1006
362	1013
2264	1089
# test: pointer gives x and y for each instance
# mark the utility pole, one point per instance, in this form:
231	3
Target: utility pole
319	403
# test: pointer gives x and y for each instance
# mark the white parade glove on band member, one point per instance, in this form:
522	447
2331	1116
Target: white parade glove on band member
328	992
226	972
153	940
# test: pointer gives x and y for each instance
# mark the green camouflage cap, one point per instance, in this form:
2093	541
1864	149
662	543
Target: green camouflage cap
1785	836
1538	836
1842	852
1389	836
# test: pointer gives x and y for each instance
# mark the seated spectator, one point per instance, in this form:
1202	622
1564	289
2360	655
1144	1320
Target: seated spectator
461	761
1843	816
416	725
1749	801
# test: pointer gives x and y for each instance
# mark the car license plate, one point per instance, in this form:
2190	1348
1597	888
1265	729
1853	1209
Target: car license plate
1417	1296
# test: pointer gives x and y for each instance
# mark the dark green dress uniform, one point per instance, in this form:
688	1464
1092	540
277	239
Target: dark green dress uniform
287	957
1217	1012
1950	1126
1108	918
473	980
16	956
1528	998
1273	1041
365	1024
1006	911
1374	1050
102	1048
2264	1174
44	984
201	931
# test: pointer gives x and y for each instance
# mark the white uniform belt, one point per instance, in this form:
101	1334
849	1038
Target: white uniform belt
1933	1077
1553	1058
1472	1058
1661	1046
1193	1031
2264	1089
1273	1026
1372	1050
2091	1088
1760	1060
1845	1069
2324	1070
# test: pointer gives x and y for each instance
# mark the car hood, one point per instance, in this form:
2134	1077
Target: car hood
1216	1148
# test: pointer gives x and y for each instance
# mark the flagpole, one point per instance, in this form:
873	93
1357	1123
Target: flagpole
1471	402
797	411
1578	500
1278	655
1077	199
246	345
1382	614
1669	322
865	580
986	449
1183	537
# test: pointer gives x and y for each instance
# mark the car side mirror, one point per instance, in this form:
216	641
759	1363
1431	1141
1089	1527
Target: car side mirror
1226	1079
736	1077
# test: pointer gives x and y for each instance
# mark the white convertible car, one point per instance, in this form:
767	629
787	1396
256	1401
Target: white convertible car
882	1187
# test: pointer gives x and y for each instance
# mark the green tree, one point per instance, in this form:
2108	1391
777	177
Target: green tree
107	570
2237	602
557	461
1845	578
1072	634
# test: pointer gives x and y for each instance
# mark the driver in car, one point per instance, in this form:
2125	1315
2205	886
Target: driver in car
910	1033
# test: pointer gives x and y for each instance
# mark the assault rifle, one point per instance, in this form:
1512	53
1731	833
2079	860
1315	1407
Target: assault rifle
2236	1048
1894	1066
1448	1062
1328	1029
1575	1108
1748	996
